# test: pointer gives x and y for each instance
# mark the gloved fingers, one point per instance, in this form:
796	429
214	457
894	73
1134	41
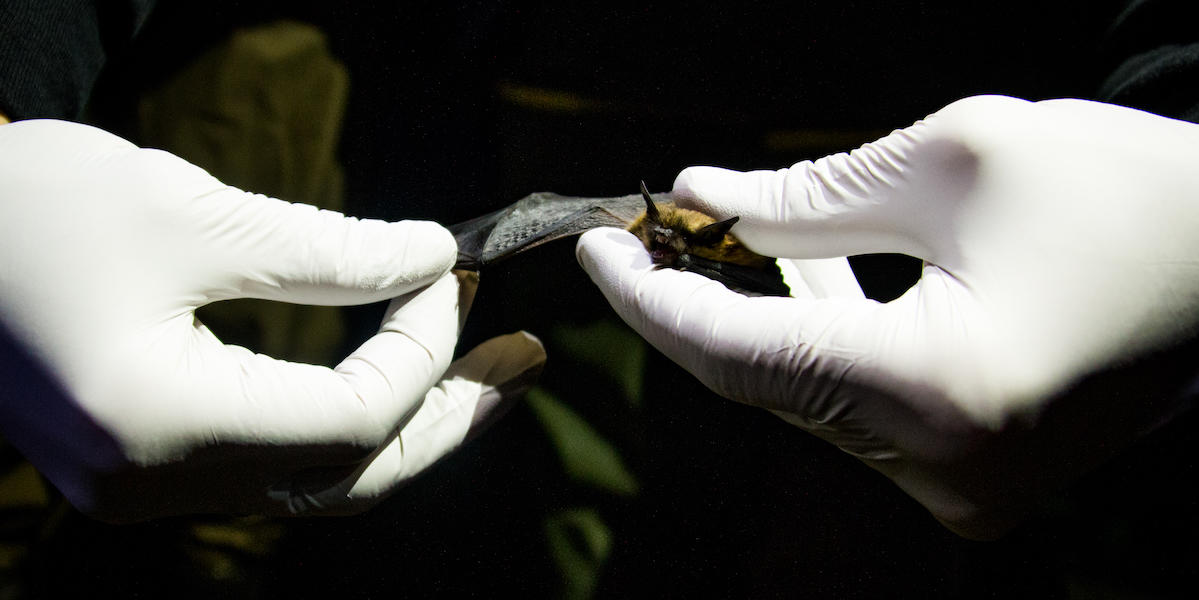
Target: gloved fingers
357	404
473	393
820	278
894	195
767	351
297	253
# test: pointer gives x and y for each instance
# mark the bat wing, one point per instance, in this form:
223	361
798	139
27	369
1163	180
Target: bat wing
737	277
545	217
535	220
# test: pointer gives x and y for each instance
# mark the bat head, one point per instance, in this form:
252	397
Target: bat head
692	241
669	232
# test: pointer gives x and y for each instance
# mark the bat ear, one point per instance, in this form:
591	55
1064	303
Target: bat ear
713	233
651	209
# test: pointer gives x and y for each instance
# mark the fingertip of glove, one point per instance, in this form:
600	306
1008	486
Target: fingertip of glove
702	187
419	253
604	240
436	243
695	176
511	365
515	359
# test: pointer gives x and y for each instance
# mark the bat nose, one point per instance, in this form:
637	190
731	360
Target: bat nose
662	236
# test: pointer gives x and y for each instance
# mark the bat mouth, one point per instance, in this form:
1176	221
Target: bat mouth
663	256
661	251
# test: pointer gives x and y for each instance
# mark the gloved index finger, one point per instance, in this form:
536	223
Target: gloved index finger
880	198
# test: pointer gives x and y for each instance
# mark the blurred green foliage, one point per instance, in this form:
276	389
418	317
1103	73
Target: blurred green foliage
586	456
608	347
580	543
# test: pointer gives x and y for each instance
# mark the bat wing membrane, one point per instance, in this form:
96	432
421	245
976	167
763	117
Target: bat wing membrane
534	220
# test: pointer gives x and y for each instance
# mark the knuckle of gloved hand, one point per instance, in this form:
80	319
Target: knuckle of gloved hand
165	173
984	108
981	126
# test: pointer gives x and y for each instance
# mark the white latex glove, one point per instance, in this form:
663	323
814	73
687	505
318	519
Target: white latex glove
1061	277
134	409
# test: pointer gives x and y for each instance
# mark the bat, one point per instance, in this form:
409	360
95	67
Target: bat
675	237
690	240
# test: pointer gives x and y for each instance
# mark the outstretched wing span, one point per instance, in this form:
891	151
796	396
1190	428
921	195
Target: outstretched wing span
537	219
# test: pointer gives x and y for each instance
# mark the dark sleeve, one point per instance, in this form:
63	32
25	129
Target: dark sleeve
1152	52
52	50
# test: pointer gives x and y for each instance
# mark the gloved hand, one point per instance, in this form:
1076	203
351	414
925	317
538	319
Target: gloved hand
116	392
1053	323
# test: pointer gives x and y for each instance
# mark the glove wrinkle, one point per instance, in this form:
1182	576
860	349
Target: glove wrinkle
963	389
